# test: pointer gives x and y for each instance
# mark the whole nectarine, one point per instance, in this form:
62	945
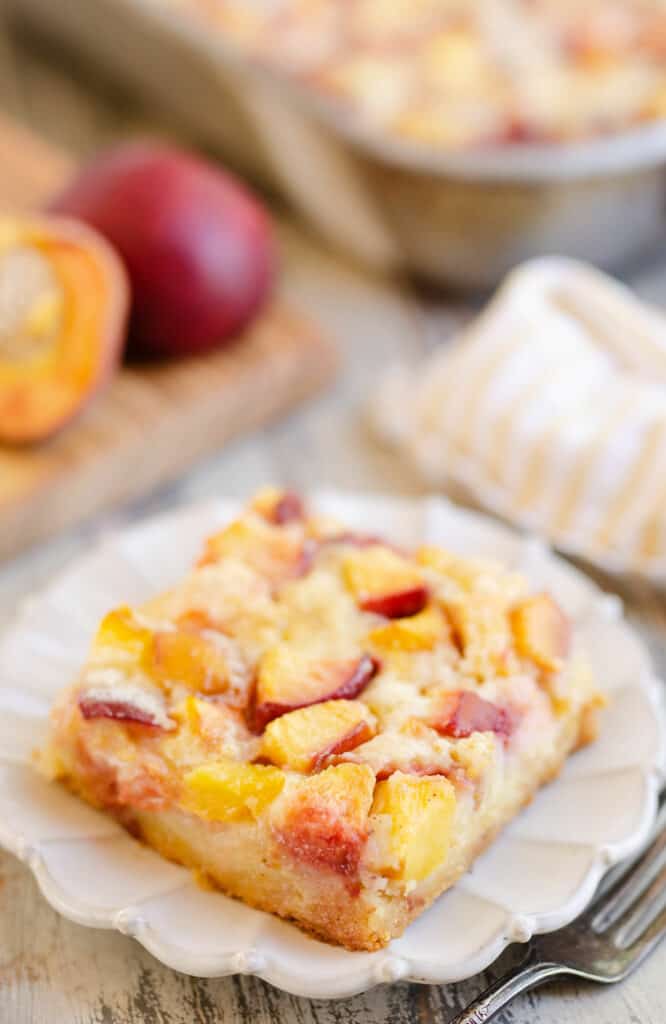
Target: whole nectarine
197	245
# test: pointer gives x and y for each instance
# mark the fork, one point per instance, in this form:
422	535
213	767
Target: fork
620	928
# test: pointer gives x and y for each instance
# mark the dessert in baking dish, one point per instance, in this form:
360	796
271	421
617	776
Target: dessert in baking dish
460	73
327	726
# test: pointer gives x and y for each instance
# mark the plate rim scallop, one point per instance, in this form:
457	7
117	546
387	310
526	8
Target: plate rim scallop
389	965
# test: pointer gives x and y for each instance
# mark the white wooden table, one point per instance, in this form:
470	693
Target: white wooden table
55	972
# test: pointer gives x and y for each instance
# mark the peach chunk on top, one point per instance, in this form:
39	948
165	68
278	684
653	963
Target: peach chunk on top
231	790
542	632
220	728
463	712
302	740
288	679
278	507
272	551
384	582
122	640
418	824
125	702
420	632
325	822
190	659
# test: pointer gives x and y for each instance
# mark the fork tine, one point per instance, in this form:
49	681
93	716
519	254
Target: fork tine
631	885
645	942
638	920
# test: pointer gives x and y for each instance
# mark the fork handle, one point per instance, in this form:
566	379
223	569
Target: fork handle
518	979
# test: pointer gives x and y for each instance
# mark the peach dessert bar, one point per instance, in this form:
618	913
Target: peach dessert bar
327	726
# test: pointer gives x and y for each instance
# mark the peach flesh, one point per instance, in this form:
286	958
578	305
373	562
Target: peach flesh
63	308
465	713
118	710
346	688
400	605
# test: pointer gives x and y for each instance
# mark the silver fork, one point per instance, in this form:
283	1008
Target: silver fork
620	928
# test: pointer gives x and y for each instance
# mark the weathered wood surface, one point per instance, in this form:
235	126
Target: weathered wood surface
55	972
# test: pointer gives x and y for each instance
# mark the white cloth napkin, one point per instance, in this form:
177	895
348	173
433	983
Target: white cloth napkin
550	408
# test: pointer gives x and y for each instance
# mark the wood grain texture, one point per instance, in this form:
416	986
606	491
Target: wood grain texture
55	972
152	422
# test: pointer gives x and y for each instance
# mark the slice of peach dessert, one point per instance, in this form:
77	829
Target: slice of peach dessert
322	724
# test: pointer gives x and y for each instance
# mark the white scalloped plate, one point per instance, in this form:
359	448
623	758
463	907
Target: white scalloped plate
538	876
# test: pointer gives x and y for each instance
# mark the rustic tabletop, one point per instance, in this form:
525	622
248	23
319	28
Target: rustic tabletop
54	971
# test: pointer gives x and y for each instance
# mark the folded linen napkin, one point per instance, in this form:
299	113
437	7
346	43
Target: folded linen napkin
550	409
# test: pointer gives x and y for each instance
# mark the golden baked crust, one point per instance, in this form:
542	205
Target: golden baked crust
328	727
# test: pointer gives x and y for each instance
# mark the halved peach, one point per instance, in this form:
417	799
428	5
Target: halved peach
63	310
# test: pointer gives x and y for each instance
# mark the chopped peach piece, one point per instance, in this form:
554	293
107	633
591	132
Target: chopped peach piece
210	721
349	785
189	659
231	790
125	704
325	823
289	680
271	551
125	639
278	507
303	739
542	631
208	729
384	582
419	632
463	713
421	812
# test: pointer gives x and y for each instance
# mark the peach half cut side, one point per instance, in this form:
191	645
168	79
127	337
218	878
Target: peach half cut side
64	301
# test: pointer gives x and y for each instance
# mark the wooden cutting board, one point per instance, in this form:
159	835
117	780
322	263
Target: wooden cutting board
152	423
